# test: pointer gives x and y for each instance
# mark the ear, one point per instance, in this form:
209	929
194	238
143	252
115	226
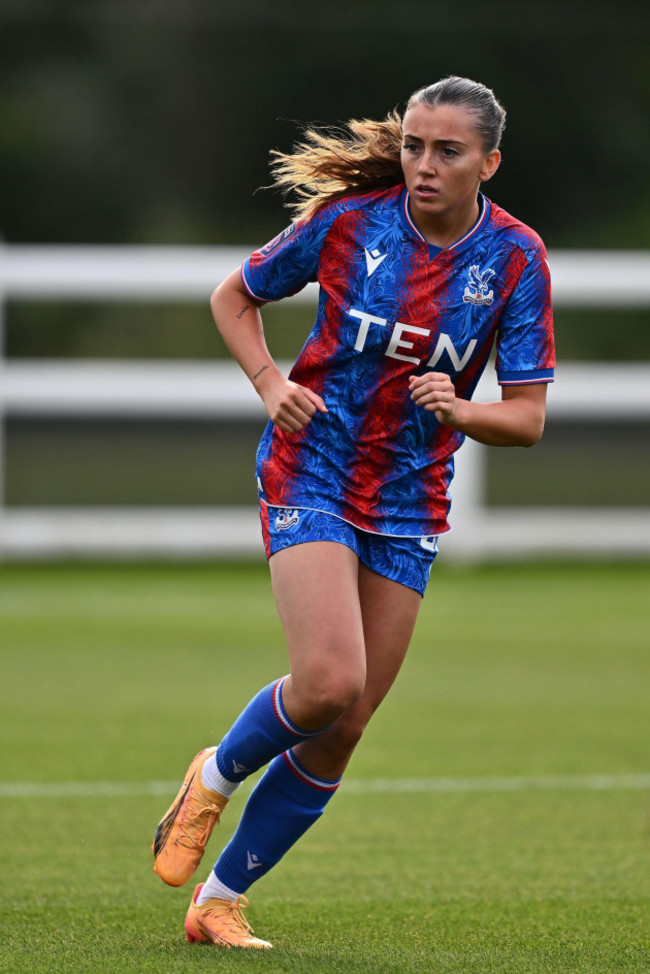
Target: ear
490	166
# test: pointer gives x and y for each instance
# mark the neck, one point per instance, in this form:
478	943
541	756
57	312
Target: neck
445	229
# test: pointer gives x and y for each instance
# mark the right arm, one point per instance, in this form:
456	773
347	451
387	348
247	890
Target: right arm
237	317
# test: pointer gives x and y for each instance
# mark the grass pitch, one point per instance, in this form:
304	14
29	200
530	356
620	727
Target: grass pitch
496	817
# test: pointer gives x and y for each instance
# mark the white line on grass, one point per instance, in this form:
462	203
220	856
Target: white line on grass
593	782
117	789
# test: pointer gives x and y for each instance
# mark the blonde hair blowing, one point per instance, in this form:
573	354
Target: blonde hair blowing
364	155
329	164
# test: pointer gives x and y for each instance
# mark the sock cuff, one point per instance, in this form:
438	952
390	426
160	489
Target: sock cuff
281	714
328	785
262	731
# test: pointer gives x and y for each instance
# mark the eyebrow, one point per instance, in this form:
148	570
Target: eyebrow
416	138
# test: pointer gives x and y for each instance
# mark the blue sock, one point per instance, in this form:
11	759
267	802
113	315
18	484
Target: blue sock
286	801
262	731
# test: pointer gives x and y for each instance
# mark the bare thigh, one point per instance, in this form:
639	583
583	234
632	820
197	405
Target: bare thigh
316	589
389	613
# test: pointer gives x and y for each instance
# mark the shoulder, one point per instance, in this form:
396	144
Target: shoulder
357	203
509	231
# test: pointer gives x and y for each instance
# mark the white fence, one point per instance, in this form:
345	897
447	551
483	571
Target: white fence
181	390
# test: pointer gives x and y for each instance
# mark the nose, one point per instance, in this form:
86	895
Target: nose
427	165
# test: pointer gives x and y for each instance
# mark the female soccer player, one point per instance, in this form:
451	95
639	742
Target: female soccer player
419	275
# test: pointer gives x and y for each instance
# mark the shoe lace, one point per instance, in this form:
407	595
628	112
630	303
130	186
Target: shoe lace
196	824
231	915
240	904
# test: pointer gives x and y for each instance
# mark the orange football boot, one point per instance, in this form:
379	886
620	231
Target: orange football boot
183	832
222	922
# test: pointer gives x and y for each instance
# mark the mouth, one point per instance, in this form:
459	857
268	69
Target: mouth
426	192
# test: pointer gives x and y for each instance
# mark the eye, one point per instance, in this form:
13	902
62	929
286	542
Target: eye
449	152
411	147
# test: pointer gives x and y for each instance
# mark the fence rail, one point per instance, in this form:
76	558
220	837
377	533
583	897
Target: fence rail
588	278
198	389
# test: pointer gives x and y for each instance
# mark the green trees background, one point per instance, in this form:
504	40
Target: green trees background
150	121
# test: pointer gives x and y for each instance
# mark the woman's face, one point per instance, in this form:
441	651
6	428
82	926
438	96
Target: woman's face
444	161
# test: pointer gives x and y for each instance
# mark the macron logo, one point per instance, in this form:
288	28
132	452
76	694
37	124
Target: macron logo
252	861
373	260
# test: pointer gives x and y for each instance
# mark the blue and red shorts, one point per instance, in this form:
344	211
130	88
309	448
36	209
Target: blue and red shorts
404	560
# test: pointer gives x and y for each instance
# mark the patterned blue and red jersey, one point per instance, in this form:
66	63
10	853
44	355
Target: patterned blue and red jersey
390	306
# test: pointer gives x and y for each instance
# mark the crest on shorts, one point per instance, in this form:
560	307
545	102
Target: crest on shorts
476	291
286	519
430	543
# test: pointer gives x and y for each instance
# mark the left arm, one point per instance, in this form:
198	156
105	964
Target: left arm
517	420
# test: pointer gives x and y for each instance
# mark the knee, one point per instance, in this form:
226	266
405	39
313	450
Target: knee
326	696
340	693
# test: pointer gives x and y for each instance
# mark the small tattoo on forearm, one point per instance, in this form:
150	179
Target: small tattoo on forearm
240	314
258	374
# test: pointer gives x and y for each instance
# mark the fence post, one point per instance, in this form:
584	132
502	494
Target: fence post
467	492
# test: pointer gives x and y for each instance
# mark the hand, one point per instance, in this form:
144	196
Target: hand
289	405
435	392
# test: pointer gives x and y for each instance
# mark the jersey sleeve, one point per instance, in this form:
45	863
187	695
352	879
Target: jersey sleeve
525	344
288	262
